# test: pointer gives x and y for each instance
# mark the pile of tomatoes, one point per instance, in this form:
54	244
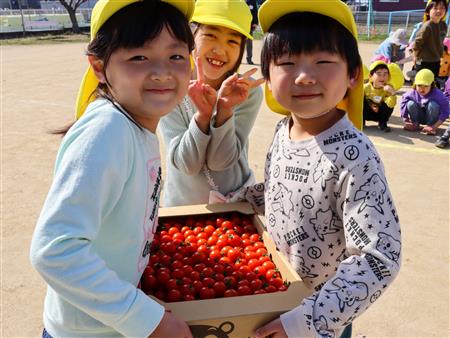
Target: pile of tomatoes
209	257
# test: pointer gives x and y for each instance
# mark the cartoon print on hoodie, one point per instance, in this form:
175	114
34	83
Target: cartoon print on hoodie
372	194
348	292
282	200
326	169
325	223
388	246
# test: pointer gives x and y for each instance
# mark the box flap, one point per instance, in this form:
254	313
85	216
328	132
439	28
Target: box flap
201	209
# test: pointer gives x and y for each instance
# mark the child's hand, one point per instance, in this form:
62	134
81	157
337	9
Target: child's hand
274	329
171	326
374	107
389	89
235	89
429	130
202	95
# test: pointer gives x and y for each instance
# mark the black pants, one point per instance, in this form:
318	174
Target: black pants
249	47
383	114
433	66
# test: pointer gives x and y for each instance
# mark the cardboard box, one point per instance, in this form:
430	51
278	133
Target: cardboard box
237	316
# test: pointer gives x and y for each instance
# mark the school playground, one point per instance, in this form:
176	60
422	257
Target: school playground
39	87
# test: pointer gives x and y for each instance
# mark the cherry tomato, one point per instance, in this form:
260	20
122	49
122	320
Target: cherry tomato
244	290
219	289
206	293
230	293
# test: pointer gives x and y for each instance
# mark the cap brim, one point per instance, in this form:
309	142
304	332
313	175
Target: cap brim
224	23
86	93
271	11
352	103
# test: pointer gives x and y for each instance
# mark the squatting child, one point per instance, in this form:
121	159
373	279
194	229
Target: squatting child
379	96
424	104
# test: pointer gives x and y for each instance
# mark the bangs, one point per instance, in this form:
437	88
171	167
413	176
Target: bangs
148	20
306	32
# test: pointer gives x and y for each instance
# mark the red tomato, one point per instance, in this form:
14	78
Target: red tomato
255	238
276	282
208	282
212	240
209	229
177	273
260	271
272	273
226	225
219	289
176	265
149	282
197	285
187	269
230	282
244	290
268	265
256	284
173	295
230	293
253	263
173	230
163	276
270	288
206	293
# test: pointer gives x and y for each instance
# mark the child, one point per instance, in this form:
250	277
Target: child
207	134
379	96
428	45
393	47
92	239
444	69
424	104
327	202
442	142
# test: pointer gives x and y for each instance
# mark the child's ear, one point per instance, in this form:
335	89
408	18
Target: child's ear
354	79
98	68
269	85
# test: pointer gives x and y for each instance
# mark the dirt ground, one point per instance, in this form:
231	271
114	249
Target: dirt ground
38	89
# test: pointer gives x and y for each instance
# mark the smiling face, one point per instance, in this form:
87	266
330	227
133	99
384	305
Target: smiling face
437	12
219	49
309	85
150	80
380	77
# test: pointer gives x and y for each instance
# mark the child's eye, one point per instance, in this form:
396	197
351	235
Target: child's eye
284	63
209	35
178	57
325	61
138	58
234	42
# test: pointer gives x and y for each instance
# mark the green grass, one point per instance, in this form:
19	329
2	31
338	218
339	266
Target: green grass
47	39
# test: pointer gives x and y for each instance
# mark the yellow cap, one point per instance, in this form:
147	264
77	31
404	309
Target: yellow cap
102	11
233	14
424	77
396	78
271	10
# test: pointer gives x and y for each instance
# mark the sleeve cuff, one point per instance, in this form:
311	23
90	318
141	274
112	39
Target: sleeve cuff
293	323
142	318
197	132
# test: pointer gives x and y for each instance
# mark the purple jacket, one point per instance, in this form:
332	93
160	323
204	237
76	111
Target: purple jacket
434	95
447	88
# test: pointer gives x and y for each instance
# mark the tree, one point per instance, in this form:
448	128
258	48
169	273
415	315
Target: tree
71	6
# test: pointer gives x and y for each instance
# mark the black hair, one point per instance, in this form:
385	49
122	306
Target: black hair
131	27
380	66
196	26
432	4
305	32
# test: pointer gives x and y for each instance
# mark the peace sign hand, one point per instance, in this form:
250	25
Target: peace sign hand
235	89
203	96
